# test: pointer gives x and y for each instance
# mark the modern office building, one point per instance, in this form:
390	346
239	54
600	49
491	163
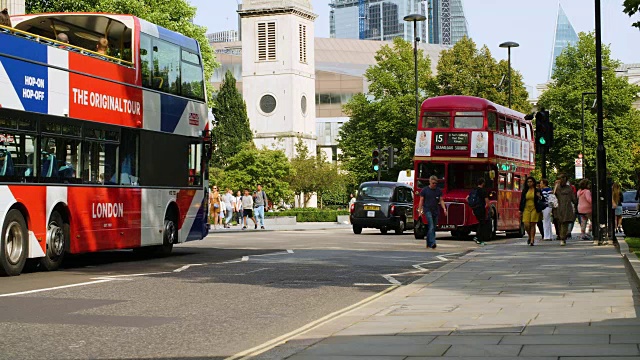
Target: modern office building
375	19
15	7
564	36
447	23
223	36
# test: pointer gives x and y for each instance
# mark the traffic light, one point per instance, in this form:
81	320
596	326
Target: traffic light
392	157
544	129
376	160
384	157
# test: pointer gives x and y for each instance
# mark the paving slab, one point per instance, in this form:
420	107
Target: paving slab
483	350
554	339
581	350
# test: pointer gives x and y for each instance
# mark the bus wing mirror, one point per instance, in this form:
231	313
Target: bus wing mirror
207	151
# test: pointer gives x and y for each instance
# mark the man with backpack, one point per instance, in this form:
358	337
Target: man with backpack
478	200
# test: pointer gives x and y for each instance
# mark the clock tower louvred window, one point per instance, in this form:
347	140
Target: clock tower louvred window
267	41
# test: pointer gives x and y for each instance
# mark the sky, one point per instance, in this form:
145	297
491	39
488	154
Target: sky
491	22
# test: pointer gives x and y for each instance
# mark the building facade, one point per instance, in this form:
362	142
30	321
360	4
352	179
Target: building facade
564	36
446	21
375	19
223	36
15	7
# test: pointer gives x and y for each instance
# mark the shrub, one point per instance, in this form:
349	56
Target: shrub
631	226
310	214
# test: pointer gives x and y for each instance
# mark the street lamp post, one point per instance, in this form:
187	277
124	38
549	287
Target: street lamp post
509	45
601	156
415	18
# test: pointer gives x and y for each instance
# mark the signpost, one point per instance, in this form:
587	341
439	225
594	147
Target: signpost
579	167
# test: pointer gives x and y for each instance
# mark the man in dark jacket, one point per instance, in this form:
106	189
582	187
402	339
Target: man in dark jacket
565	213
483	230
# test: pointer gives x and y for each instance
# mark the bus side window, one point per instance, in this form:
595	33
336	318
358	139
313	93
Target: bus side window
166	67
146	60
523	131
503	125
501	182
509	181
194	164
516	182
129	158
492	120
529	132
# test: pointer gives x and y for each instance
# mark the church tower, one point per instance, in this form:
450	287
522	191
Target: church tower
278	72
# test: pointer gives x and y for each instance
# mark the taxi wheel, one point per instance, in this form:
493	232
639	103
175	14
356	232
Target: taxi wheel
357	229
383	231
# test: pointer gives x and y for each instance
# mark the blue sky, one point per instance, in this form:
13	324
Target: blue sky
530	23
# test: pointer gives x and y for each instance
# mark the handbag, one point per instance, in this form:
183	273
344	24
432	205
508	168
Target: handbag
552	200
216	206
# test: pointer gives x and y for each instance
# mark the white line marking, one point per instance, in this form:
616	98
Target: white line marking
392	280
271	254
113	277
254	271
369	284
442	258
420	268
245	258
186	267
56	288
290	251
247	354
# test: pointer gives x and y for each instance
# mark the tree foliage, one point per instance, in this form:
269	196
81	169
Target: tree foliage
251	166
311	174
231	129
387	115
176	15
465	70
574	74
631	7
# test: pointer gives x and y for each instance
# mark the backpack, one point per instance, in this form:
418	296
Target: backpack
474	200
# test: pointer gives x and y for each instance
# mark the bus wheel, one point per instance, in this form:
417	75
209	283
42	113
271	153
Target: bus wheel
56	242
14	244
494	225
419	231
170	236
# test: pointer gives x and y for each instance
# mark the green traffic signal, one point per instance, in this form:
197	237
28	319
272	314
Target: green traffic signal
543	141
376	167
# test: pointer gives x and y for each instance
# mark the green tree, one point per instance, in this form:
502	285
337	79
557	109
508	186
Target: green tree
174	15
465	70
573	75
387	115
311	174
632	7
251	166
231	129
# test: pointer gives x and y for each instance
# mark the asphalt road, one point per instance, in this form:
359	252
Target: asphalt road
210	299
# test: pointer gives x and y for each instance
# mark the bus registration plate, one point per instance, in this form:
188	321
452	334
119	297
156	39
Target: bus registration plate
447	227
369	207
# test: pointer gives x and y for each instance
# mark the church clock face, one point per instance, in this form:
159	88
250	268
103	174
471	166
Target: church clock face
268	104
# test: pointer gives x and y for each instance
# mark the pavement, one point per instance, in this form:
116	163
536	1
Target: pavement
301	226
506	301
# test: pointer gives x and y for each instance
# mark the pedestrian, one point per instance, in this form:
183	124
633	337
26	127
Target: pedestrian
216	205
352	200
616	204
5	19
550	200
247	210
540	224
478	200
260	203
575	192
229	203
531	204
430	198
238	209
565	212
585	208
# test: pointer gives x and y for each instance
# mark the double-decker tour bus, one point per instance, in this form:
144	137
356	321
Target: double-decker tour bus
99	149
463	138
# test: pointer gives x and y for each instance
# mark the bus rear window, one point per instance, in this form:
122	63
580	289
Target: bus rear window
436	120
469	120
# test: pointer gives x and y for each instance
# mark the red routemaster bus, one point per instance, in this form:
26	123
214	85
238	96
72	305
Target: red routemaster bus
98	151
462	138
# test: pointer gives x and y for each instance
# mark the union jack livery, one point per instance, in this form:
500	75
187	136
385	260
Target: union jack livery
103	138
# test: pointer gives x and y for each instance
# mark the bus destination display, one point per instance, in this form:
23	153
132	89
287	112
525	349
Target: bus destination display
454	141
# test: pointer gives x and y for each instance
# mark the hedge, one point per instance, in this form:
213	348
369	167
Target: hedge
631	226
310	214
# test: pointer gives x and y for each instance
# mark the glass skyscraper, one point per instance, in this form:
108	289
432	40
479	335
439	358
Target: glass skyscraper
565	35
447	23
381	19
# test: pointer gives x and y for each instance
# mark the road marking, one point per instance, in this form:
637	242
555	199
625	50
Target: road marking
56	288
186	267
245	258
262	348
114	277
369	284
290	251
442	258
392	280
420	267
